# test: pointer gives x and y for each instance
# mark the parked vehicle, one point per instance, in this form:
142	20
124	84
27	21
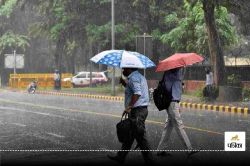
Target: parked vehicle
82	79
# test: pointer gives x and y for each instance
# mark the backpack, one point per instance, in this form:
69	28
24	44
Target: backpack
162	98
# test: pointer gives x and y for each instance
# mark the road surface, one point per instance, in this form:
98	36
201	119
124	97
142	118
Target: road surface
42	129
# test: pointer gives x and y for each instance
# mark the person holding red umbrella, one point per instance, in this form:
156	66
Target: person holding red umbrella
173	74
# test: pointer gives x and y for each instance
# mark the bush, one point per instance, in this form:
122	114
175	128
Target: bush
246	94
198	93
210	93
234	80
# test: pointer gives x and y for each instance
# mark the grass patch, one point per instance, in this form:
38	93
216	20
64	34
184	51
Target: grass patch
99	89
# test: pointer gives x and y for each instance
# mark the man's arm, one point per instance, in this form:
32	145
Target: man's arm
134	99
136	88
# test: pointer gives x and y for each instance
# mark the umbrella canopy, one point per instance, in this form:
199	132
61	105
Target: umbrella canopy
178	60
123	59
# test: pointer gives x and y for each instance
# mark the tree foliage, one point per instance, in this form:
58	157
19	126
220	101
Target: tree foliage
10	39
189	29
14	41
72	25
7	7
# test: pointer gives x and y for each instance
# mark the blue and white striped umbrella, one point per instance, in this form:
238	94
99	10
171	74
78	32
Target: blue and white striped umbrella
123	59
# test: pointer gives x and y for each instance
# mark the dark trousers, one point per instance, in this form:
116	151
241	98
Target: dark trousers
57	84
138	117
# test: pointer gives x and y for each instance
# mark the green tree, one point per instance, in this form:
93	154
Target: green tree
9	39
191	33
7	7
13	41
53	25
214	42
65	21
149	16
70	52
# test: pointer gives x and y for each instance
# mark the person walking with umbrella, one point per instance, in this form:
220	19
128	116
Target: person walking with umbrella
136	103
173	74
136	97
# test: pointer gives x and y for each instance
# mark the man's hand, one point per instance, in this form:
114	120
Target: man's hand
122	81
124	113
128	109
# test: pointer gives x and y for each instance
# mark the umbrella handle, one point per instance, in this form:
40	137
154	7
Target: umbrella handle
183	73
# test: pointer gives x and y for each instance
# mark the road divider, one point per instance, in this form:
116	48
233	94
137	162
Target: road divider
220	108
101	97
197	106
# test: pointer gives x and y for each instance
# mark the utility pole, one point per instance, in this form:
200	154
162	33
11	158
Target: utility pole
14	54
113	42
144	46
144	51
90	72
14	61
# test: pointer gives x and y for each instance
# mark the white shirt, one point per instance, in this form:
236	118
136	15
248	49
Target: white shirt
209	78
56	76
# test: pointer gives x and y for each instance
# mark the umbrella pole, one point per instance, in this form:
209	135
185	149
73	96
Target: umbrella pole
113	42
183	73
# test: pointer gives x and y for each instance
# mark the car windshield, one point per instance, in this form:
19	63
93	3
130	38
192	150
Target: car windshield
81	75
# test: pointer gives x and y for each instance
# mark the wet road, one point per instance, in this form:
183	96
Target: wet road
58	129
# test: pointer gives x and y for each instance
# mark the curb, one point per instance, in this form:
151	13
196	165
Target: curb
218	108
198	106
101	97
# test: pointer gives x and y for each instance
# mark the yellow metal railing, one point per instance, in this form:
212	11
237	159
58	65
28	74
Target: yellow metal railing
45	80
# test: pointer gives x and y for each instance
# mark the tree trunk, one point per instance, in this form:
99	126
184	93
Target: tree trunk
215	49
59	51
58	55
1	68
73	61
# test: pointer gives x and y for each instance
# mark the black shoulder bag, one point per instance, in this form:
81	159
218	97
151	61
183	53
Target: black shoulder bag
123	129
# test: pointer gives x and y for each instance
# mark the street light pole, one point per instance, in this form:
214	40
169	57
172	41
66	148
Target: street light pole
144	50
113	42
14	54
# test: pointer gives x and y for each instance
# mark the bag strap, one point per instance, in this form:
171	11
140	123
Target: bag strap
163	77
125	115
163	82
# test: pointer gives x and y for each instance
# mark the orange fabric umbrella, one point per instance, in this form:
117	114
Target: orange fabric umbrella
178	60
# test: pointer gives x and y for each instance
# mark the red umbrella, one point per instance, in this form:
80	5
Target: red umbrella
178	60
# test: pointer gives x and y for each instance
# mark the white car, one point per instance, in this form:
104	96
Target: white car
82	79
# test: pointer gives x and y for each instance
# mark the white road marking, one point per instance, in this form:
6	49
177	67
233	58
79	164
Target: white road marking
244	121
42	113
4	112
56	135
10	108
19	124
102	114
